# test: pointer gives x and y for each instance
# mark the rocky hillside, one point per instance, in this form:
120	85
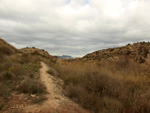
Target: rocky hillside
140	52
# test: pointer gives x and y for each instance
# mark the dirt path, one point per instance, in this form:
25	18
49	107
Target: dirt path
56	102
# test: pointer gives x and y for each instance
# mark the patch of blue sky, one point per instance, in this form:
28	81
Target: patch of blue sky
68	1
86	2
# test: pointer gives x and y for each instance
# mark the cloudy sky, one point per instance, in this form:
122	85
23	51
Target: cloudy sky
74	27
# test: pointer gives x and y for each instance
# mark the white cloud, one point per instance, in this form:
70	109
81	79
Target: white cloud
74	27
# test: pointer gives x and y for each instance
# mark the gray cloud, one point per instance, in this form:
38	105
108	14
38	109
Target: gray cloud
76	27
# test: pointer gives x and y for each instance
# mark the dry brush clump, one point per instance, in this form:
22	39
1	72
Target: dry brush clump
6	49
52	71
32	86
20	73
118	88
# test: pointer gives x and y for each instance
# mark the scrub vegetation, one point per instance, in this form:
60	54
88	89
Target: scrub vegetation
108	84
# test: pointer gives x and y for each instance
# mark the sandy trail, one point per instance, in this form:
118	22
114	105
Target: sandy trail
56	102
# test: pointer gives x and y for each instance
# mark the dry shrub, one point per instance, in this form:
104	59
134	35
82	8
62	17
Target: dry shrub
5	90
107	88
82	96
16	69
6	50
52	71
126	66
88	85
6	75
32	86
111	105
5	66
141	101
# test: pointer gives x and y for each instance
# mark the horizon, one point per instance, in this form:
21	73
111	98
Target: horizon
82	55
75	28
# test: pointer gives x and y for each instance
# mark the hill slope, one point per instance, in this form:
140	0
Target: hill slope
140	52
6	48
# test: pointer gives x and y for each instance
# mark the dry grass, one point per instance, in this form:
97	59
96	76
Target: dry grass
122	87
